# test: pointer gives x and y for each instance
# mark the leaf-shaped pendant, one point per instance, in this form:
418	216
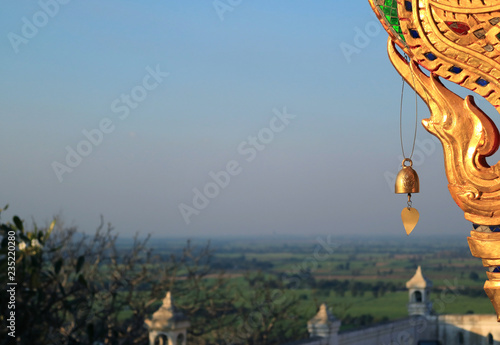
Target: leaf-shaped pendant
409	216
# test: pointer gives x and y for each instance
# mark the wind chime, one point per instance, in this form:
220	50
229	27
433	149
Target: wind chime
407	181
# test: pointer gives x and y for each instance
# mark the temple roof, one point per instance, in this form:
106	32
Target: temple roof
418	281
167	316
323	316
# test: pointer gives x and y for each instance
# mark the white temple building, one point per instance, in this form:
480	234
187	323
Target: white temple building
421	327
168	326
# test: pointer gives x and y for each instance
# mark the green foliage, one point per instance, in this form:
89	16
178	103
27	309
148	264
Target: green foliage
79	289
72	288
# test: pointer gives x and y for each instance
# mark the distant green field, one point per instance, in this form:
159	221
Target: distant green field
394	305
375	263
356	261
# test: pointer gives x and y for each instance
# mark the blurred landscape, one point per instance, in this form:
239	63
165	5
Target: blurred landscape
78	288
361	278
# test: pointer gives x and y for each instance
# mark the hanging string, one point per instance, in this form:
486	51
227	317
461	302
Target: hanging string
401	115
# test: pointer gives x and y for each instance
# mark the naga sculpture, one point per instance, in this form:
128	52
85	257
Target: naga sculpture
458	40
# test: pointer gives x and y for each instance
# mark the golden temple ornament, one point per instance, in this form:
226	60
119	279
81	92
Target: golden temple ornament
458	41
406	183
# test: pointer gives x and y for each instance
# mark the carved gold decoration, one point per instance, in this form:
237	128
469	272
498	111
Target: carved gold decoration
486	245
460	42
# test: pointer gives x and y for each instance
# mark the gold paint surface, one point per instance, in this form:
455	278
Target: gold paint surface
486	245
494	277
491	262
483	246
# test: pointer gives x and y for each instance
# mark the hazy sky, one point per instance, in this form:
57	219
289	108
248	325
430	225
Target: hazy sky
131	109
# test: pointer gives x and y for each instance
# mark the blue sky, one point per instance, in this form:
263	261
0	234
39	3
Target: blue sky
229	73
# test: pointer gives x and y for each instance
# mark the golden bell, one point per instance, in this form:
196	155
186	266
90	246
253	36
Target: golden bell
407	179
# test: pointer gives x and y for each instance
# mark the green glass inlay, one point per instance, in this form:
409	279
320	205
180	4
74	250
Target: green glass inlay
498	36
390	9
